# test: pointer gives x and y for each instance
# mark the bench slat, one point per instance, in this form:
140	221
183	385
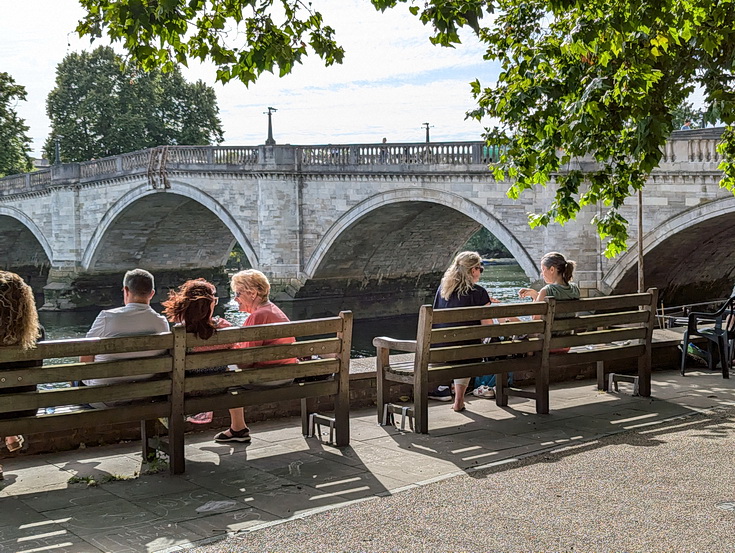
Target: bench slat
52	349
460	333
204	382
495	311
50	374
205	359
585	322
592	356
243	398
83	419
612	303
84	394
598	337
443	373
458	353
271	331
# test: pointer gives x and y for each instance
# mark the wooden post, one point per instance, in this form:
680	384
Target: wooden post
542	377
421	370
641	285
176	416
644	361
382	360
342	401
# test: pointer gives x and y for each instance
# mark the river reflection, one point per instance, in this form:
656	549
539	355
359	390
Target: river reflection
501	281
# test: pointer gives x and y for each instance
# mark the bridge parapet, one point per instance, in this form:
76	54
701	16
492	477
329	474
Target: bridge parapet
695	147
425	153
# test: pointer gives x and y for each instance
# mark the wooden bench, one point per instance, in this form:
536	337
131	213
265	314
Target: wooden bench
596	330
604	329
172	392
440	356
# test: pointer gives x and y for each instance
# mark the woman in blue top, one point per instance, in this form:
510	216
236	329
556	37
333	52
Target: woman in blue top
459	288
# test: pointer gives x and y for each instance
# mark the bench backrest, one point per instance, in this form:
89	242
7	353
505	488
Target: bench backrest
613	327
445	345
164	393
65	402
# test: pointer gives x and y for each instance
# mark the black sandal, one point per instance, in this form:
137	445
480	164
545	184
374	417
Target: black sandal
240	436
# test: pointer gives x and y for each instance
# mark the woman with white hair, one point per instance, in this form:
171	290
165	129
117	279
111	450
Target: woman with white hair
252	289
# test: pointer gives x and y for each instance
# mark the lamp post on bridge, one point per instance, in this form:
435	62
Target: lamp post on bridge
57	149
270	141
427	126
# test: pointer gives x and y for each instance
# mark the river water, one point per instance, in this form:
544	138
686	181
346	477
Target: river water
501	281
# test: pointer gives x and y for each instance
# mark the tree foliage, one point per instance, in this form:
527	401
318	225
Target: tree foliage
487	245
243	37
595	79
14	142
101	108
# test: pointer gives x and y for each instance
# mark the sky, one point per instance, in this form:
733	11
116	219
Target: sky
392	81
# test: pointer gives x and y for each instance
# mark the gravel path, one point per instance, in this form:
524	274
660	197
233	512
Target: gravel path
651	490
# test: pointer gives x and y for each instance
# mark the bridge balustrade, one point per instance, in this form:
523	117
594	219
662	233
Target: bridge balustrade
97	167
40	179
136	160
703	150
447	153
694	146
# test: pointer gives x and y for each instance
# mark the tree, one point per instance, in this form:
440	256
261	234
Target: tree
579	78
686	112
101	108
14	142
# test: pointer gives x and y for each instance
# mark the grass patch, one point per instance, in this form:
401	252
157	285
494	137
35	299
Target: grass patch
93	481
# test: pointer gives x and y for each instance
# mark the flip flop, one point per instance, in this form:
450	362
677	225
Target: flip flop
458	410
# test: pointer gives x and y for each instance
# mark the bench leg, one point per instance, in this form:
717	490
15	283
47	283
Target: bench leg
542	391
601	382
644	375
308	406
342	418
382	361
147	432
501	392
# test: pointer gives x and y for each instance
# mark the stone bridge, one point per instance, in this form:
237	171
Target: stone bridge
366	227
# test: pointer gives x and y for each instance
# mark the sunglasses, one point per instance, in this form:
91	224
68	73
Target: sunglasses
480	268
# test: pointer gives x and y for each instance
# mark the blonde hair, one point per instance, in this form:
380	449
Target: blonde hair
457	277
251	279
18	316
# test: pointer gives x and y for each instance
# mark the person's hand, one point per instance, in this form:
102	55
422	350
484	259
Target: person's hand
494	300
528	293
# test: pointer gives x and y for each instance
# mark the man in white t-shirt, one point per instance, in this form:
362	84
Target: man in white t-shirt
135	318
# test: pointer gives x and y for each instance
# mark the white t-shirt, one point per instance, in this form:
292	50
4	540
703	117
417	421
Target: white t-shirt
133	319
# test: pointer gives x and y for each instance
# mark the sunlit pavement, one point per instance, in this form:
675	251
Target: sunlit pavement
47	504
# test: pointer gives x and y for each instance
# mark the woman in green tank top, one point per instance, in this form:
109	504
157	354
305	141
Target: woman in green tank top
557	274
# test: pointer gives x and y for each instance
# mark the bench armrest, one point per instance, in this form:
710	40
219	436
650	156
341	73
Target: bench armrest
392	343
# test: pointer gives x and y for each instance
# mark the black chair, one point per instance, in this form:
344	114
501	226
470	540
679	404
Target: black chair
721	335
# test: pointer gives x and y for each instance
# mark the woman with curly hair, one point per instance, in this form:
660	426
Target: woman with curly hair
193	306
18	327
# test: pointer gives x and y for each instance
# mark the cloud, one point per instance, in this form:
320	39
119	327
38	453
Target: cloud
393	79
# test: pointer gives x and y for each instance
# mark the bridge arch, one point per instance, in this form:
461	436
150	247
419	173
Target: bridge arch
408	196
694	250
28	223
171	199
